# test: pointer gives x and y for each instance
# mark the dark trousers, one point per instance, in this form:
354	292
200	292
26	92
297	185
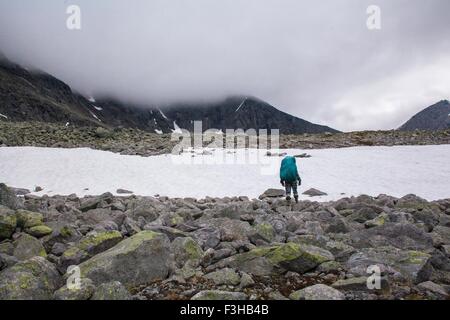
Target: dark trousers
291	186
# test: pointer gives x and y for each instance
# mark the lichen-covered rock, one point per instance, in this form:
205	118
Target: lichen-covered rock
377	222
39	231
8	222
111	291
317	292
266	231
138	260
413	266
65	234
83	292
8	197
294	257
187	250
219	295
28	219
88	247
33	279
224	276
26	247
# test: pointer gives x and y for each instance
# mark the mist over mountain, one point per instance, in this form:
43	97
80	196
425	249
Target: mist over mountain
32	96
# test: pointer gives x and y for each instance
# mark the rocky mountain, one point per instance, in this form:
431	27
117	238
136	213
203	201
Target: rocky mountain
435	117
241	112
37	96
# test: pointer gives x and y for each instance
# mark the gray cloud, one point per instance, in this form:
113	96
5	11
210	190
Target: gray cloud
315	60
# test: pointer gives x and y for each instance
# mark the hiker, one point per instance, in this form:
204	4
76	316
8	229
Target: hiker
289	177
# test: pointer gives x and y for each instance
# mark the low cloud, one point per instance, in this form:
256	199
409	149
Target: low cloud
315	60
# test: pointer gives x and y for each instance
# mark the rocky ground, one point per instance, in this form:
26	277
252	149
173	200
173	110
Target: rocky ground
137	142
231	248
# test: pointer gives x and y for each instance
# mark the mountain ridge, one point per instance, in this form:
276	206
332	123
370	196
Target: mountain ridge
434	117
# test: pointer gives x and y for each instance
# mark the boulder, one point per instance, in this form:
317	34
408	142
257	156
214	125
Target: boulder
88	247
124	191
264	261
272	193
33	279
8	197
20	191
8	223
83	292
317	292
141	259
314	193
400	235
219	295
187	250
434	289
28	219
264	231
39	231
26	247
231	230
111	291
224	276
413	266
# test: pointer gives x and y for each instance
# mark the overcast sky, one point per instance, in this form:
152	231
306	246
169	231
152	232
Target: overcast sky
313	59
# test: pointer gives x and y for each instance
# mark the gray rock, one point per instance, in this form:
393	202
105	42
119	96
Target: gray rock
317	292
111	291
123	191
130	227
138	260
7	261
231	230
272	193
187	250
219	295
358	284
207	237
83	292
314	193
264	261
402	236
34	279
20	191
433	288
8	222
88	247
413	266
26	247
224	276
8	197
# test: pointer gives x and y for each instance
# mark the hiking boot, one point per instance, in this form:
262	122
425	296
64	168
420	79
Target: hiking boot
288	198
296	199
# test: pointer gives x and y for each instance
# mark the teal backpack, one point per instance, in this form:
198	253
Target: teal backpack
288	171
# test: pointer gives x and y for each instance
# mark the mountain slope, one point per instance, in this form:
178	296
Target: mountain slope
37	96
241	113
435	117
